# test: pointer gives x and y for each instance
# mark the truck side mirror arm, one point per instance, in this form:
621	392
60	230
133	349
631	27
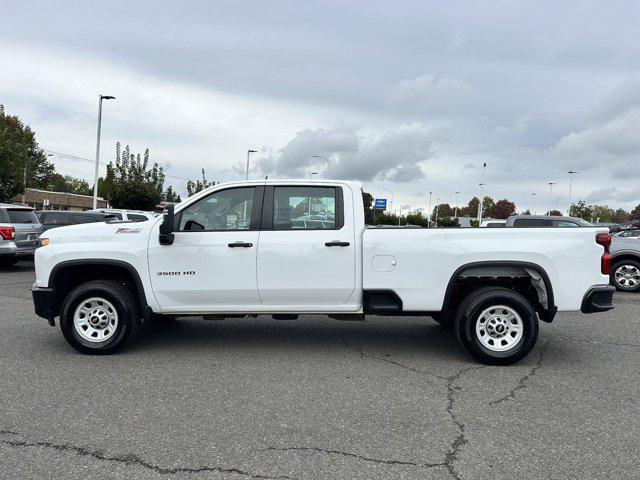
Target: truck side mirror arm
167	226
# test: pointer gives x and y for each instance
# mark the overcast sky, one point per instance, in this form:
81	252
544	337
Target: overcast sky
410	96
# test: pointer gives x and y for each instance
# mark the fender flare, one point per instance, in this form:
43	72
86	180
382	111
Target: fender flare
146	309
547	314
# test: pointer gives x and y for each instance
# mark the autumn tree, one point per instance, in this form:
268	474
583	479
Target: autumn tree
503	209
555	213
635	213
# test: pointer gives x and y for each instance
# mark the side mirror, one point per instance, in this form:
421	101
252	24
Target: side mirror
167	226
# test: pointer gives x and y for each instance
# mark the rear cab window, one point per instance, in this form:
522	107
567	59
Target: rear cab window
531	222
136	217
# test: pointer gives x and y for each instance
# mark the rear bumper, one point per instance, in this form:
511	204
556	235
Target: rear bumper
598	299
43	303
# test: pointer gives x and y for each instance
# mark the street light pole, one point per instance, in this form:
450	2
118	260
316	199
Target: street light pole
484	176
533	202
456	212
95	179
437	210
570	172
249	152
429	216
551	184
326	160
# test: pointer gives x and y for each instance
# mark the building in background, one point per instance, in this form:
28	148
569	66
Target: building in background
45	200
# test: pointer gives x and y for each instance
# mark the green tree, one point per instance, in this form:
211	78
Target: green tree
369	215
170	196
581	210
198	186
555	213
20	158
635	213
602	213
487	207
131	183
68	184
503	209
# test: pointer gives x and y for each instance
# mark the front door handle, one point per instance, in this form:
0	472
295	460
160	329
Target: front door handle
337	243
240	244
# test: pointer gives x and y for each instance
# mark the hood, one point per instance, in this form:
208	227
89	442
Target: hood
99	231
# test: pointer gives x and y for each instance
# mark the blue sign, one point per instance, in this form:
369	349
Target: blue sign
380	204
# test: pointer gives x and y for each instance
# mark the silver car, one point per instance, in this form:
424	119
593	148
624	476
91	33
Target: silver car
625	258
19	232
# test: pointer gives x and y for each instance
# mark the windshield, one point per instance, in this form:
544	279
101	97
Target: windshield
22	216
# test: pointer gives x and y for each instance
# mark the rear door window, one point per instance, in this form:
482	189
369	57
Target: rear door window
22	216
531	222
304	208
84	219
53	218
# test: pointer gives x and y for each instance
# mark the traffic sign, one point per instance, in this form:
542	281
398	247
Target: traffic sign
380	204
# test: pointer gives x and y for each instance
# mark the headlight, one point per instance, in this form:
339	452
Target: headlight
44	242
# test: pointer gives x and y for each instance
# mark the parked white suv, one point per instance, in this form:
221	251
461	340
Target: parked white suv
240	249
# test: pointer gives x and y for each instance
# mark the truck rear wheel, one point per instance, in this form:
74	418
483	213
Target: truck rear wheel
496	325
99	317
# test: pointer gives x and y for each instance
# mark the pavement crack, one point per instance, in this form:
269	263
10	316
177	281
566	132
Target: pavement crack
522	383
129	459
461	439
363	354
354	455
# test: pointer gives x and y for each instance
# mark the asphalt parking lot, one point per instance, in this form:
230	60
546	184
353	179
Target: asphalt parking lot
316	398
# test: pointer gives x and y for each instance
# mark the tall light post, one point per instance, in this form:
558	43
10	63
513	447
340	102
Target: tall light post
429	216
456	212
533	202
326	160
571	173
484	176
480	203
437	210
95	179
551	184
249	152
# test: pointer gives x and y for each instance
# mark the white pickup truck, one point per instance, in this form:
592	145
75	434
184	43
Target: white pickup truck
284	247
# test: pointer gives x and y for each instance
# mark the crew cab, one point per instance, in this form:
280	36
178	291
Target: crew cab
285	248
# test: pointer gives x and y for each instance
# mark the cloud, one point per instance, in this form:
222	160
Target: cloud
429	91
395	155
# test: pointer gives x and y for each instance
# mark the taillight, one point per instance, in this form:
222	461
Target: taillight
7	233
604	239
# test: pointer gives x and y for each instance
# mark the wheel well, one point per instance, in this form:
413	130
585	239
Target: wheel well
625	257
66	277
528	280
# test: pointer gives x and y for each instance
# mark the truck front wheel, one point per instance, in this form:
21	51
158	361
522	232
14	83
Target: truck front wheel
496	325
99	317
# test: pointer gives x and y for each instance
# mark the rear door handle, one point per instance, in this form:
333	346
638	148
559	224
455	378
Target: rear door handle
337	243
240	244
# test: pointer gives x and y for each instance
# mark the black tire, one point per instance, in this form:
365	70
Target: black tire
468	314
125	304
620	286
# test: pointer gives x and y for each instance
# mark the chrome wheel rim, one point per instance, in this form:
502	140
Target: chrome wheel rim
95	319
627	276
499	328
